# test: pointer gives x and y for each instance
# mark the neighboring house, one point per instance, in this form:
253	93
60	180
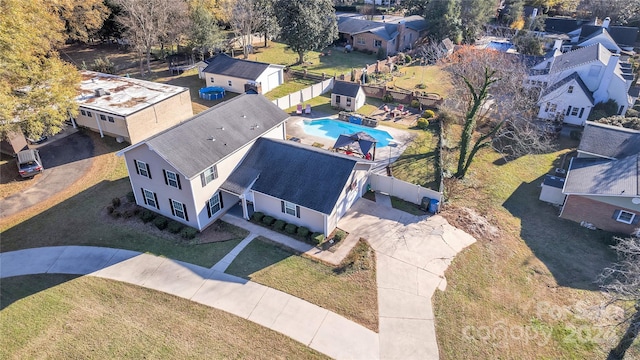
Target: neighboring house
602	187
238	75
236	152
573	82
13	143
128	108
618	39
347	95
393	37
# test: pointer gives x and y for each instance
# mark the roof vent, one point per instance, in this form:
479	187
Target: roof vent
101	92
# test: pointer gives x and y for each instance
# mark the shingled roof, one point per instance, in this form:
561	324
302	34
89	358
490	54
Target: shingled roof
300	174
244	69
622	35
609	141
580	56
590	176
207	138
345	88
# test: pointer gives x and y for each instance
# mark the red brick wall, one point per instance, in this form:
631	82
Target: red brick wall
579	208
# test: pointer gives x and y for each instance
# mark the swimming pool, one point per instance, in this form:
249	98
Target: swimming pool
332	129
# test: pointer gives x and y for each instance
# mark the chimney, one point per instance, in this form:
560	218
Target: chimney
605	22
401	44
557	44
602	93
534	13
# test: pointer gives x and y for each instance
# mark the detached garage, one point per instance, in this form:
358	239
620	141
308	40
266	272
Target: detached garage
237	75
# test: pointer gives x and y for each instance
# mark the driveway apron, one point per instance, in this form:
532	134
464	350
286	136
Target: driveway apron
412	254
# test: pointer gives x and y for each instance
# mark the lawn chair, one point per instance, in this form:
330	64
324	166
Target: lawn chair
386	109
400	108
307	109
299	109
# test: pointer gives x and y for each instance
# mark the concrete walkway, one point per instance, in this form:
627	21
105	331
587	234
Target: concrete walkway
412	254
318	328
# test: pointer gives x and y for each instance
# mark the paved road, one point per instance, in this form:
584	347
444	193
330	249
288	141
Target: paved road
65	160
412	254
318	328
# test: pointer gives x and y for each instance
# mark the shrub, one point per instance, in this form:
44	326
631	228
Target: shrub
291	228
188	232
423	123
160	222
257	216
339	235
110	209
116	213
415	103
147	215
128	213
407	59
115	202
381	55
268	220
131	197
428	114
279	225
317	237
633	113
421	86
174	227
103	65
303	231
387	98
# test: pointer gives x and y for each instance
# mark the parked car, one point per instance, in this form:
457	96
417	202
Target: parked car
29	163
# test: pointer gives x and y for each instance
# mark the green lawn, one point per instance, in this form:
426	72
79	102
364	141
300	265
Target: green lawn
530	270
289	87
319	104
64	317
436	80
417	164
337	63
349	290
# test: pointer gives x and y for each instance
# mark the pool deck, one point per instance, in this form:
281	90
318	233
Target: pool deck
383	155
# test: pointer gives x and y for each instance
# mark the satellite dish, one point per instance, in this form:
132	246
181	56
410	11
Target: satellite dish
636	201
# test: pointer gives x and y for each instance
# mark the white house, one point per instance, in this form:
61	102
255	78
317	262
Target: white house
234	153
238	75
573	83
347	95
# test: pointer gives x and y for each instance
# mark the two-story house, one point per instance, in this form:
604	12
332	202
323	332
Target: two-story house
236	153
602	187
127	108
573	82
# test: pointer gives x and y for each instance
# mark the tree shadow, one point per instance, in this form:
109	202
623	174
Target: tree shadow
20	287
574	255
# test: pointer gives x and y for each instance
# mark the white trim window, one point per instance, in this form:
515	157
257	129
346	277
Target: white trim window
150	198
142	168
209	175
570	90
290	208
178	210
377	43
348	101
214	204
626	217
172	179
361	41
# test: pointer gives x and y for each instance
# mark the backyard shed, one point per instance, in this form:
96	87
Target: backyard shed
347	95
551	191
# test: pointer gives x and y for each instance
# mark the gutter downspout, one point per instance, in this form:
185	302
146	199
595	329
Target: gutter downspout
99	126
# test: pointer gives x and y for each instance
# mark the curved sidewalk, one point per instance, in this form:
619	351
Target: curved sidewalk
318	328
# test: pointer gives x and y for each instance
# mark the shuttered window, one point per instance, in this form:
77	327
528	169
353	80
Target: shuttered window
150	198
142	168
178	209
209	175
214	204
172	179
290	208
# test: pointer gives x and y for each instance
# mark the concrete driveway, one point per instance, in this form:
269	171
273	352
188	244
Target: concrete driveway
412	254
65	160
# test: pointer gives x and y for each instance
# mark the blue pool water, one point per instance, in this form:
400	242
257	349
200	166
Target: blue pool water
331	129
499	46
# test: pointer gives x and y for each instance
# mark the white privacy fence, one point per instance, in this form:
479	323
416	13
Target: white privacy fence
305	94
406	191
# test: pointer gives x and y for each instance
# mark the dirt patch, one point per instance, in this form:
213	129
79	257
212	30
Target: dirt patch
471	222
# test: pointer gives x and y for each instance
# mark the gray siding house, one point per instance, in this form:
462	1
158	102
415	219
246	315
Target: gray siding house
233	153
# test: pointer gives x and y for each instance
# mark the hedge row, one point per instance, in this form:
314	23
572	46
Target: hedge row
283	226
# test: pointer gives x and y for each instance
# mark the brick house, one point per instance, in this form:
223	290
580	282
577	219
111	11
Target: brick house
392	36
602	187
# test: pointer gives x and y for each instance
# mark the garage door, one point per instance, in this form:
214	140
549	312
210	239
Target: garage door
273	80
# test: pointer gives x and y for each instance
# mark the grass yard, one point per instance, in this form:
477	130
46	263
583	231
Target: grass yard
436	80
319	105
289	87
10	180
526	289
349	290
336	63
77	217
64	317
417	164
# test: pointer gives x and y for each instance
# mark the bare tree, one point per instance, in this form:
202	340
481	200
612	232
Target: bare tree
243	19
498	110
149	21
433	51
622	283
